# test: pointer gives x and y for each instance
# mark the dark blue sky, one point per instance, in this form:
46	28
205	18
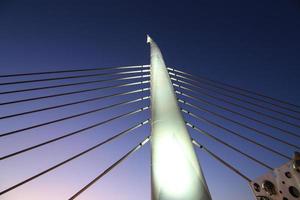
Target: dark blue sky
254	44
251	44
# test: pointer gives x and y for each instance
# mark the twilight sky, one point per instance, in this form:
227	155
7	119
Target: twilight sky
251	44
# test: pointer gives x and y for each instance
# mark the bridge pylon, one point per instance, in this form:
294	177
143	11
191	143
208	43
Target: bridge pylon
175	169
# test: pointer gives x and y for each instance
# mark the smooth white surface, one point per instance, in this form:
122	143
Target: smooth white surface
176	174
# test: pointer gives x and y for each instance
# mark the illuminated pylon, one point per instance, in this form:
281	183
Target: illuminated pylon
176	173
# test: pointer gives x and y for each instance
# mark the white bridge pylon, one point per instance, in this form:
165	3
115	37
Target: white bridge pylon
176	172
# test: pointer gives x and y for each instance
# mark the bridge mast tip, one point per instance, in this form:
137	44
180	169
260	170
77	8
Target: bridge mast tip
149	39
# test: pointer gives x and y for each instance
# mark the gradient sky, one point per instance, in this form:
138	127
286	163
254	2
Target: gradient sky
251	44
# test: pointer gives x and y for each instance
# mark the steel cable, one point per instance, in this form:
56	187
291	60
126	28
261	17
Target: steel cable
73	84
239	99
73	103
70	93
236	134
197	144
240	124
71	158
50	122
240	89
111	167
231	103
78	131
73	77
228	145
72	71
237	113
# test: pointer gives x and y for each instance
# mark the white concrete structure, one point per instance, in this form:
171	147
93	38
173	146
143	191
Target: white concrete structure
176	173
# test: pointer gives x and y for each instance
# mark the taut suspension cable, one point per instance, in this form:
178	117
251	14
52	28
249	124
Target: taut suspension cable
72	71
197	144
80	130
243	90
75	84
74	77
72	158
141	144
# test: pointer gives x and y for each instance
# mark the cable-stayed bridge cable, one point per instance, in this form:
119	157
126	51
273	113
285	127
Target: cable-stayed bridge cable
72	158
78	131
74	77
75	103
73	92
72	71
197	144
75	84
230	102
241	89
235	133
228	145
240	99
53	121
235	112
142	143
241	124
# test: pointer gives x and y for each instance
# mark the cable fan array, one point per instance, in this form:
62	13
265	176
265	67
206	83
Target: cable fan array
220	117
220	111
124	92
